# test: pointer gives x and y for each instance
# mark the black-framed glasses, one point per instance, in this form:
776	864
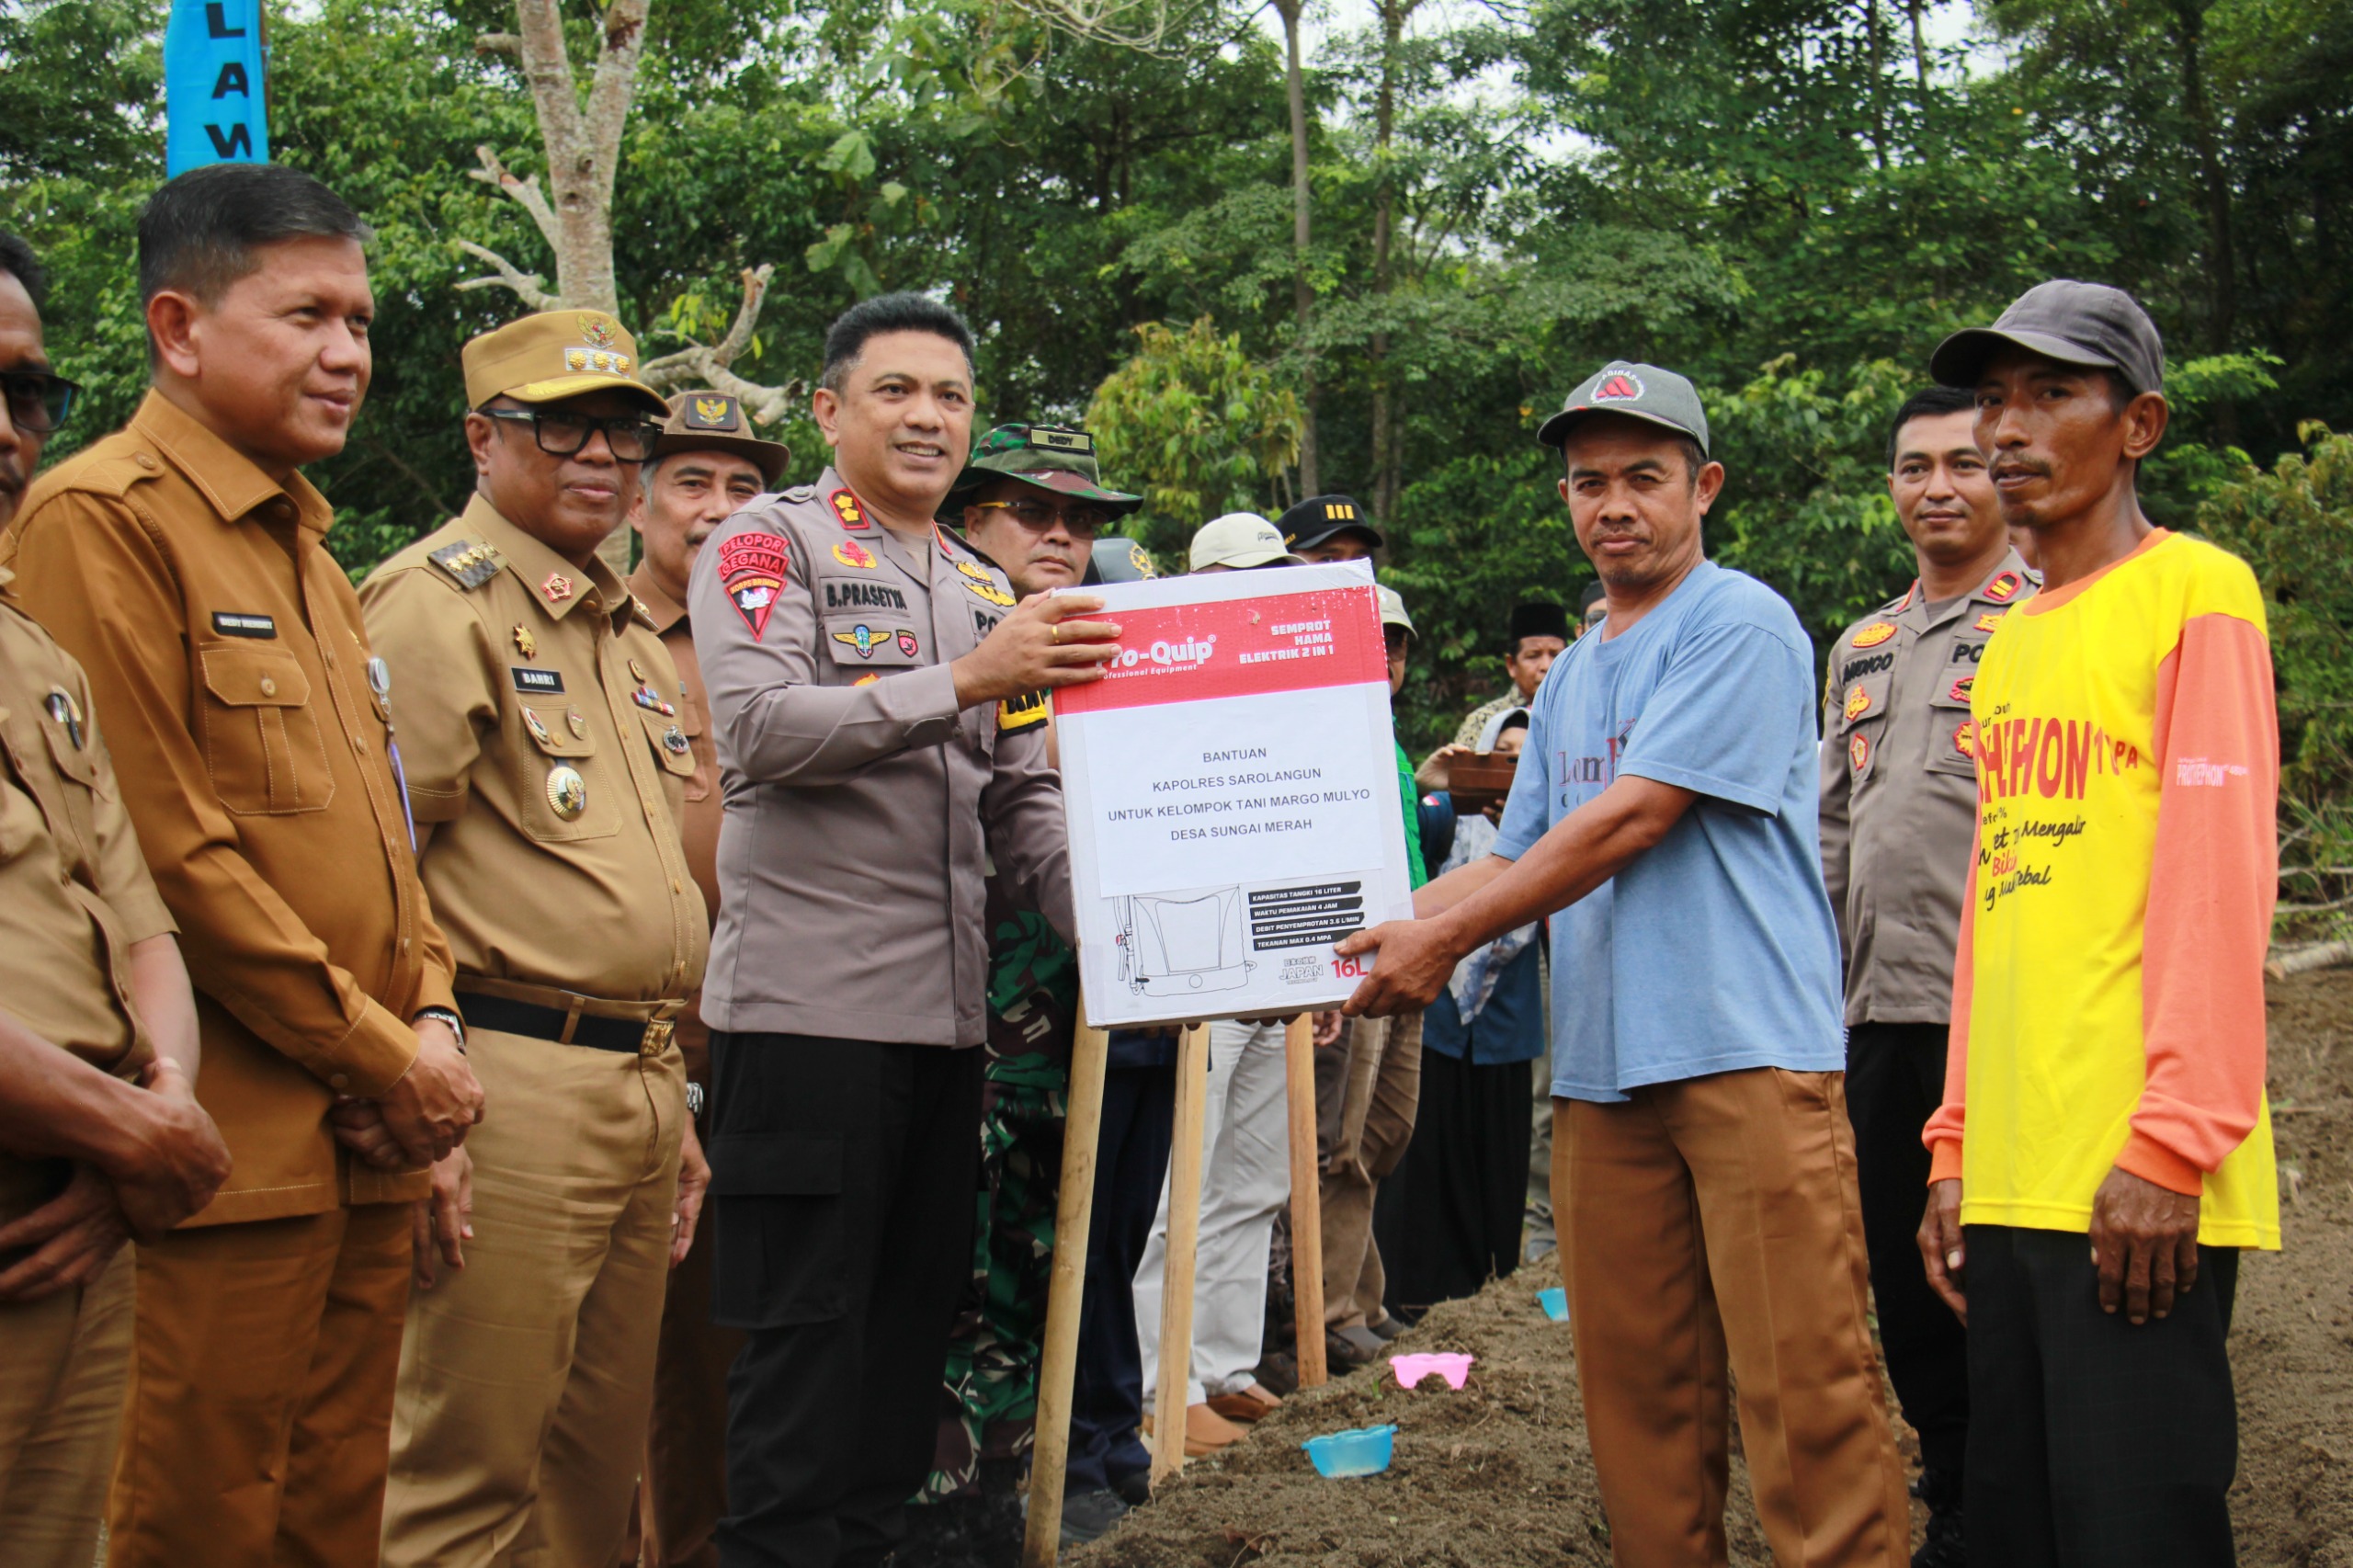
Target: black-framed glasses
560	433
1083	522
38	400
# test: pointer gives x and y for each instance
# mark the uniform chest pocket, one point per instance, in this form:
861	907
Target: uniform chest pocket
77	771
1952	734
872	640
560	795
672	749
262	742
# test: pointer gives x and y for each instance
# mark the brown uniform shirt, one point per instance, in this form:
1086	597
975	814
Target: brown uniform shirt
699	822
74	892
518	676
1899	793
863	808
226	657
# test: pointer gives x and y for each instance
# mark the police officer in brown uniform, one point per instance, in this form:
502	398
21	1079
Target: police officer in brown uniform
100	1134
860	661
706	465
183	562
1899	814
547	765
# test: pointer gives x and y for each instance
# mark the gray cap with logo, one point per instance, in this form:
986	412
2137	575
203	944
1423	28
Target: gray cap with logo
2074	324
1638	391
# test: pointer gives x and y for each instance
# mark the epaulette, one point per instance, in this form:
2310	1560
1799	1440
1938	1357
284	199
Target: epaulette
799	492
468	563
99	472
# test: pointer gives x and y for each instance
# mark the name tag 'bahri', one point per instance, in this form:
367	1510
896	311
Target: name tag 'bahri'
534	682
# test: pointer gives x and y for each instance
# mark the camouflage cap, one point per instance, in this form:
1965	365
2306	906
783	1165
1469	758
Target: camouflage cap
715	421
1046	456
555	355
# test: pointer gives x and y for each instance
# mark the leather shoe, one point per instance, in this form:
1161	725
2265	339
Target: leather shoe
1246	1405
1206	1431
1354	1345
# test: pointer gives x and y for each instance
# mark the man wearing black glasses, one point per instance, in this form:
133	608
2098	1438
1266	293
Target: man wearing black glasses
34	400
543	731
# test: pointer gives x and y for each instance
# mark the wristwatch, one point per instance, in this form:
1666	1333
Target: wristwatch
457	1024
694	1098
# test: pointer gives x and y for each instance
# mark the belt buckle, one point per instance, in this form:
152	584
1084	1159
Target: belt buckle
657	1036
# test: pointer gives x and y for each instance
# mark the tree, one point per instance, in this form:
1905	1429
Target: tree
1311	479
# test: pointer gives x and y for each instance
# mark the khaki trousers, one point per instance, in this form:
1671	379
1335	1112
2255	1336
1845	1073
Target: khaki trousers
64	1362
526	1378
685	1492
1364	1115
261	1393
1707	1226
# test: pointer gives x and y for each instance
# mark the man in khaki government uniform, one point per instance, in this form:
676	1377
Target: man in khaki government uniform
183	562
547	768
1899	815
864	670
707	464
100	1134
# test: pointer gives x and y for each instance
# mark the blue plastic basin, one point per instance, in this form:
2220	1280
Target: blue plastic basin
1364	1450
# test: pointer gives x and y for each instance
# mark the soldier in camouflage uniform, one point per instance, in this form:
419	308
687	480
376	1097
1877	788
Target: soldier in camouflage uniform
1030	501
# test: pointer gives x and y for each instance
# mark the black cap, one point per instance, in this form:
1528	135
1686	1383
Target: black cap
1537	620
2074	324
1318	518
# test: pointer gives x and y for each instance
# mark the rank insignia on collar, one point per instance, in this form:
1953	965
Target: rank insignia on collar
567	791
1872	636
846	508
2004	588
752	567
1959	692
557	588
1859	702
1964	737
1986	622
863	638
525	643
1858	751
849	553
468	563
1905	602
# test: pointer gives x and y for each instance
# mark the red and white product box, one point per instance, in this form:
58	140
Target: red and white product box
1231	787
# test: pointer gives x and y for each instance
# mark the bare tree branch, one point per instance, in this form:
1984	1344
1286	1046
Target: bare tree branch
525	193
1145	26
498	43
526	286
706	365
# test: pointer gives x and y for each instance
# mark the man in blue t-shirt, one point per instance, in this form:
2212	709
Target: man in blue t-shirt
1703	1170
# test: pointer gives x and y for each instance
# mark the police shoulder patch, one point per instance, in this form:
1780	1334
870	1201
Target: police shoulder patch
1024	712
469	565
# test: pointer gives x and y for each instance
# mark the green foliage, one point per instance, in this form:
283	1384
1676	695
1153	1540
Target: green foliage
2294	527
1196	427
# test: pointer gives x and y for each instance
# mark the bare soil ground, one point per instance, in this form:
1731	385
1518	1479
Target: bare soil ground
1500	1476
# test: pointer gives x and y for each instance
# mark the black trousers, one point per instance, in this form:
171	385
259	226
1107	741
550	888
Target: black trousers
2094	1443
1447	1219
1895	1079
1131	1165
843	1175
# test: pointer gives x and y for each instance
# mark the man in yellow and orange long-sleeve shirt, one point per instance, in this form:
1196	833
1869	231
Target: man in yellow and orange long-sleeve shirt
2106	1070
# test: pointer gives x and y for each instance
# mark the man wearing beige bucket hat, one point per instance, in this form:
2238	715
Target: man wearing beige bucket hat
547	760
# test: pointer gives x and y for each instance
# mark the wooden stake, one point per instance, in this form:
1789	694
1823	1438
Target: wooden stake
1184	1244
1066	1297
1306	1201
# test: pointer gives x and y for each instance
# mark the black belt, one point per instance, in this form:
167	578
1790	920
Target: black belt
632	1037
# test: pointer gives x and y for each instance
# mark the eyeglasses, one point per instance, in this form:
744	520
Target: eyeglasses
38	402
1083	522
562	434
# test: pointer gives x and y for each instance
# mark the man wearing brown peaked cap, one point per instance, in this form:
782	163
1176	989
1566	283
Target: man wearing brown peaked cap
707	463
547	765
183	562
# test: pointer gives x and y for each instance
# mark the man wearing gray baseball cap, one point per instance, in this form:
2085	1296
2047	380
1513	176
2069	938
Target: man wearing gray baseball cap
1704	1168
2103	1155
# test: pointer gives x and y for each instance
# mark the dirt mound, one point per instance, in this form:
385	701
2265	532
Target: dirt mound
1499	1475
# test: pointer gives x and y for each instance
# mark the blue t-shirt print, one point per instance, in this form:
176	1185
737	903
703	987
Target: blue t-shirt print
1714	951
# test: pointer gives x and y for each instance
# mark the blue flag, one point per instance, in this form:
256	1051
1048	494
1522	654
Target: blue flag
214	108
